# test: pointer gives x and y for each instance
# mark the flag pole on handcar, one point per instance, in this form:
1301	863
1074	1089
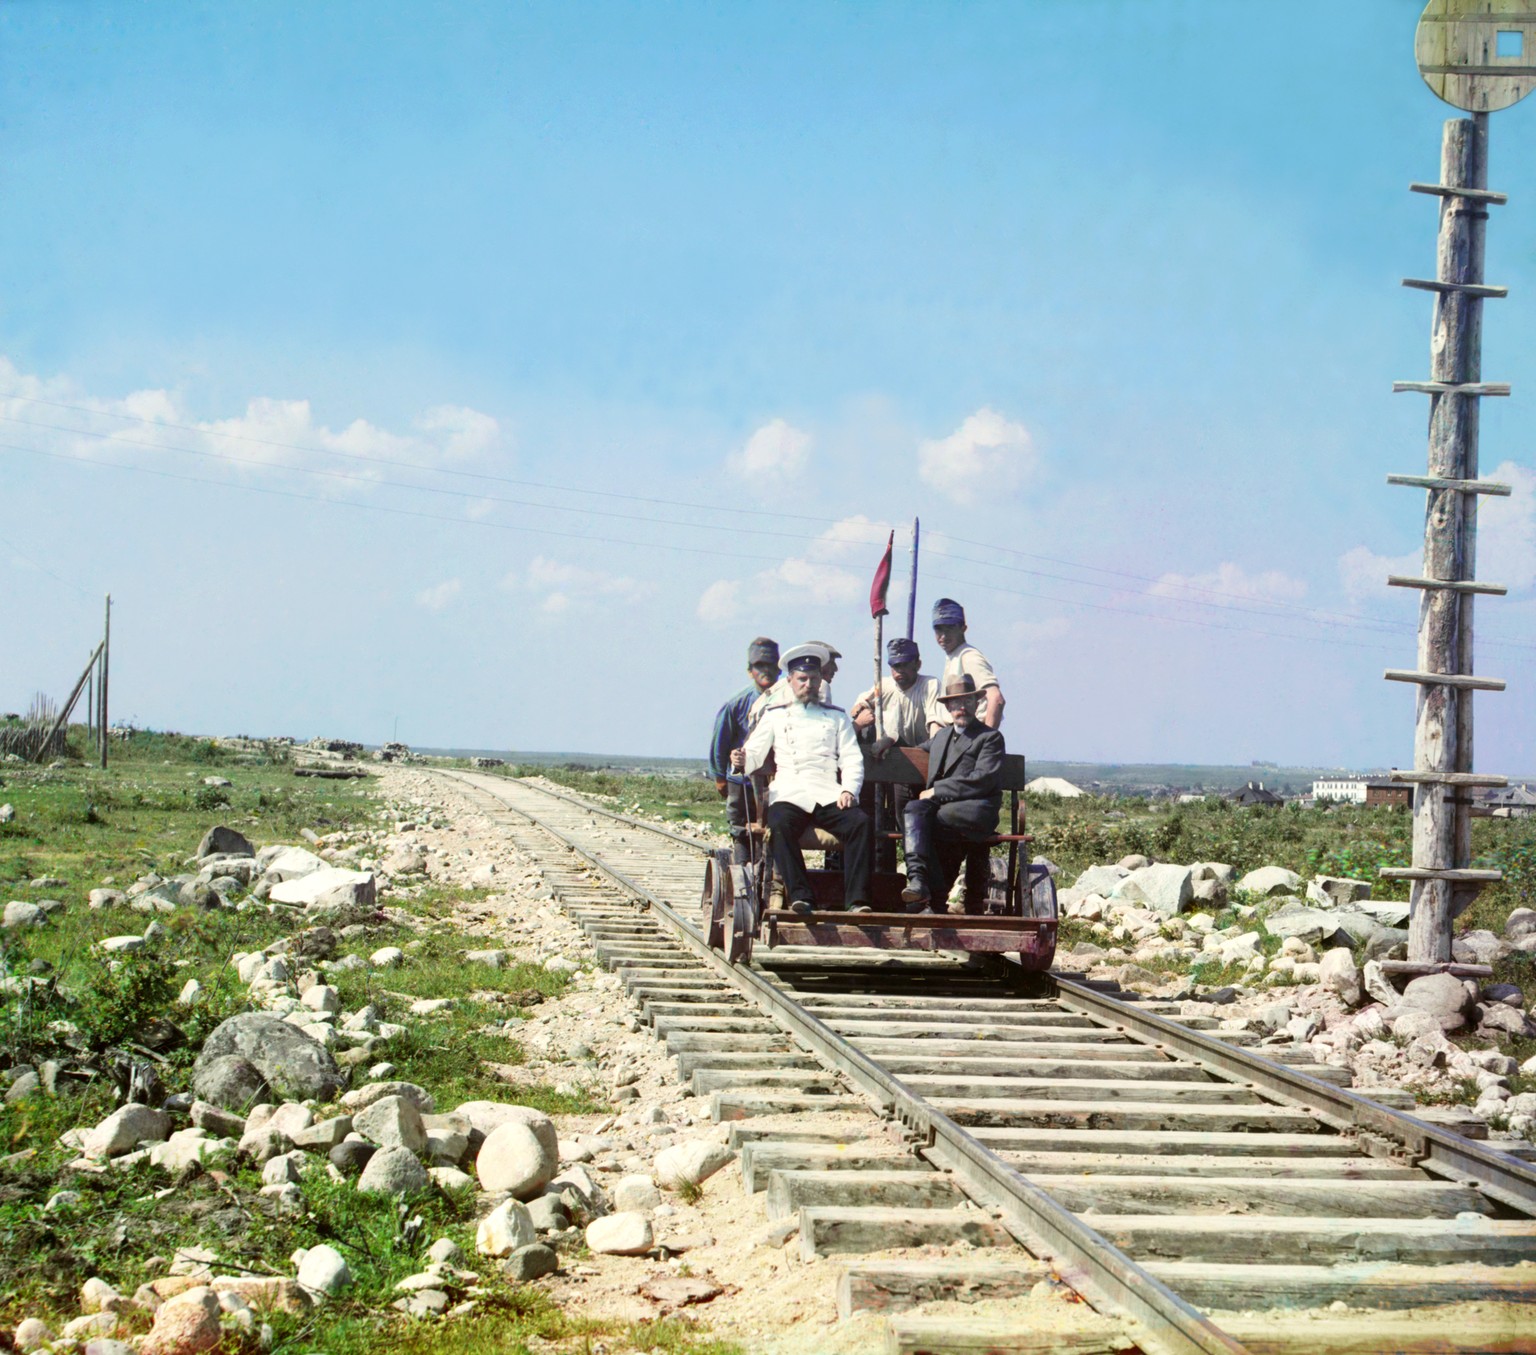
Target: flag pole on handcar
877	609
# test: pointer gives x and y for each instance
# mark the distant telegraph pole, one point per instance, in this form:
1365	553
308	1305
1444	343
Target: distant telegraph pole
101	687
1480	56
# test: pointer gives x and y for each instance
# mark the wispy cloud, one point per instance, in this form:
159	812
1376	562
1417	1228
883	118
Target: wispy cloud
987	455
773	456
1229	582
55	416
439	595
1506	530
824	576
560	585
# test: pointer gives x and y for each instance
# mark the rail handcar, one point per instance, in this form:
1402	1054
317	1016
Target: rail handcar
1011	901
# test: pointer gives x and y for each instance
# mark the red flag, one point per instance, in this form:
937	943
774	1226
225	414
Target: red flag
882	582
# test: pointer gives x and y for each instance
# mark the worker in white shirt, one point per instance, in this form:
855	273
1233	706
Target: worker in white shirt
818	772
963	659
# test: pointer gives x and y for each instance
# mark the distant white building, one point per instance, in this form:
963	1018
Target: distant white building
1347	790
1053	785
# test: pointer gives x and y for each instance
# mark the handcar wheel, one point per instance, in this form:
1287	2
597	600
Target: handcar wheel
743	928
717	898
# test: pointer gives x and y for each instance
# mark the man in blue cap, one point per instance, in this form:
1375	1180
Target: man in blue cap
910	714
730	735
963	658
818	772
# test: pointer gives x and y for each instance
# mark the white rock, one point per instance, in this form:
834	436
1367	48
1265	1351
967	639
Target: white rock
1338	973
321	997
288	863
693	1161
392	1122
635	1194
505	1229
326	888
513	1158
191	990
627	1234
1165	889
124	1129
1270	880
387	957
451	1181
322	1270
21	914
113	945
283	1169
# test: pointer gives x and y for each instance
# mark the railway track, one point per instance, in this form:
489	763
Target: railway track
1165	1174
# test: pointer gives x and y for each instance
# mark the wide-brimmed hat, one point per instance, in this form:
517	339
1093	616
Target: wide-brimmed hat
960	688
807	657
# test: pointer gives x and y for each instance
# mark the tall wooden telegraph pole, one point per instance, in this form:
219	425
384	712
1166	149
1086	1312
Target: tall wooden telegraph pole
1480	56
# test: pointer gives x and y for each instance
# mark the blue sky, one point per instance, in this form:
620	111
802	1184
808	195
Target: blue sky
503	370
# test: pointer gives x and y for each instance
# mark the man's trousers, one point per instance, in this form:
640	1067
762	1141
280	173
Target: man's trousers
738	814
786	822
940	838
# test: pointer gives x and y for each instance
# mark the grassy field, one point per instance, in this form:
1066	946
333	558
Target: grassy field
78	827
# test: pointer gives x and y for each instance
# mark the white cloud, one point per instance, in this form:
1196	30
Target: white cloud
772	456
1363	573
560	584
1229	581
988	454
1506	530
435	598
269	434
815	579
721	602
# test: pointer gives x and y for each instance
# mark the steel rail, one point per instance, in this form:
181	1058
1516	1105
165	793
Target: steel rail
1089	1262
1499	1176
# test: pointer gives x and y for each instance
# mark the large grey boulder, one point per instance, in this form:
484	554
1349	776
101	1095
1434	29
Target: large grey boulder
1443	996
222	841
1312	925
1100	879
231	1083
1388	912
1267	880
394	1171
1166	889
19	913
1479	947
295	1066
691	1163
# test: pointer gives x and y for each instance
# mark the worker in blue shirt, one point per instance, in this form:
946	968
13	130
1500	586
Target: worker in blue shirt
730	734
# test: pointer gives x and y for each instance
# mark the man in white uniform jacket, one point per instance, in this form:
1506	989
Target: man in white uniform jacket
818	772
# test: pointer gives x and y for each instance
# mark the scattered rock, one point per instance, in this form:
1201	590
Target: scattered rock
125	1129
692	1162
20	914
394	1171
350	1156
1166	889
222	841
636	1193
513	1158
505	1229
360	1098
626	1234
1443	996
1339	974
1269	880
323	1270
392	1122
1329	891
529	1262
185	1324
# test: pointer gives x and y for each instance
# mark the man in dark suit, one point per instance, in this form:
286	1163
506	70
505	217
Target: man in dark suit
960	802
